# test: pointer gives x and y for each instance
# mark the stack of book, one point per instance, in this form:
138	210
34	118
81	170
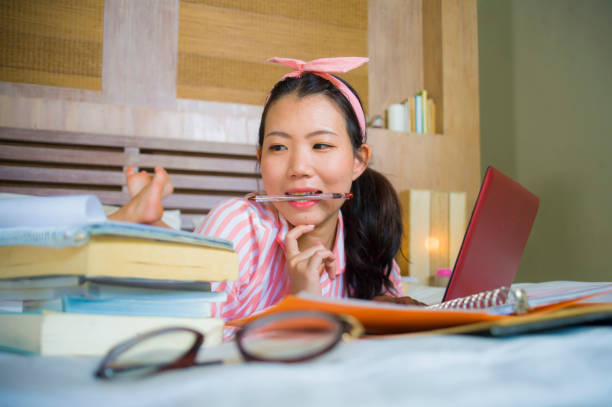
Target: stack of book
73	283
419	114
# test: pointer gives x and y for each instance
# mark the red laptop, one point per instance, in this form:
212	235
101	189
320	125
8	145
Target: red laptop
495	238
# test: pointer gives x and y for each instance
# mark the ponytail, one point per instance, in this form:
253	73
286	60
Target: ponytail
373	231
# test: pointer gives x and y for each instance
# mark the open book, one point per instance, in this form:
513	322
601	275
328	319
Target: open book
391	318
61	221
69	235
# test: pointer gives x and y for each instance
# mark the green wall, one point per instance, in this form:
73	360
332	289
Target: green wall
546	120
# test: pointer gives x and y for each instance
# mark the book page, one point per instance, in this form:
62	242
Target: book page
555	291
50	211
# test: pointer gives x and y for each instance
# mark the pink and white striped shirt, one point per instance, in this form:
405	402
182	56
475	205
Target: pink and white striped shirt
258	233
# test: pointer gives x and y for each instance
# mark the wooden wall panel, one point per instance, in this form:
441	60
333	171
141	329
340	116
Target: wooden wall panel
354	12
396	52
223	45
52	43
461	95
433	79
140	52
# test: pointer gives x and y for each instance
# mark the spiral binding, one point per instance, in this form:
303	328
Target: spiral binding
485	299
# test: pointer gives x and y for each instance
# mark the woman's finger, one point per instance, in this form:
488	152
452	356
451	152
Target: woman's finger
319	261
291	244
303	255
330	267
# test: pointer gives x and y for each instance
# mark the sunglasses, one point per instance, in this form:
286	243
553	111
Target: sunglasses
285	337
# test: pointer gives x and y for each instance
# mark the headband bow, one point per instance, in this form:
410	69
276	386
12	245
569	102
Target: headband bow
324	67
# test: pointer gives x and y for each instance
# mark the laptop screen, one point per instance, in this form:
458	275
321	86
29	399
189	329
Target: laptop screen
495	238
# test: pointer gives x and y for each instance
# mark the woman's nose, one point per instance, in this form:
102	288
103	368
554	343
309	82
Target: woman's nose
299	164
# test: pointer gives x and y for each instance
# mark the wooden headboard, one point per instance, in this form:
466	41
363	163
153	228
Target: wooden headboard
46	162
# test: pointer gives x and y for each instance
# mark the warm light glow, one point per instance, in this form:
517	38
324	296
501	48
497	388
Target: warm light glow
432	243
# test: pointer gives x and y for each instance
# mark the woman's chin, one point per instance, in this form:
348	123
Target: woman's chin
302	218
311	216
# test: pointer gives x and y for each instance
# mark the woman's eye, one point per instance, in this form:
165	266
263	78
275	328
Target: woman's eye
321	146
277	147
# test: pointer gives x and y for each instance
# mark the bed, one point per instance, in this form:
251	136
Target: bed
47	162
569	367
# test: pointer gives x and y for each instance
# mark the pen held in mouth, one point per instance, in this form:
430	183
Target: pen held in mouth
302	197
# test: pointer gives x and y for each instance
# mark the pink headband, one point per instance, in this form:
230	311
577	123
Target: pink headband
323	67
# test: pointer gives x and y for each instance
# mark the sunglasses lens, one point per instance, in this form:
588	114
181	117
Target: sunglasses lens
150	354
290	337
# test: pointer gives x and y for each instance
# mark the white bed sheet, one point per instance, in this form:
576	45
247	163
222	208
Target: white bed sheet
569	367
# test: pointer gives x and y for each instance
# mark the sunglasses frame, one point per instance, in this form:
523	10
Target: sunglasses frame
187	359
347	328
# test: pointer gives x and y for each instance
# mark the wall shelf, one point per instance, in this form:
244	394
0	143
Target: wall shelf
432	45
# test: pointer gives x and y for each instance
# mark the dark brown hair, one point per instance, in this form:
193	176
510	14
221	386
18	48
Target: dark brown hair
372	219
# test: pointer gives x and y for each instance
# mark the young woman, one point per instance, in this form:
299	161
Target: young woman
312	139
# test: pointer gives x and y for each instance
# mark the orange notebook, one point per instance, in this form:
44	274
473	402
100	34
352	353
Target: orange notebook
389	318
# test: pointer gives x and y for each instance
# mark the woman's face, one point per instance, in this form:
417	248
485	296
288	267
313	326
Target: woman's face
306	148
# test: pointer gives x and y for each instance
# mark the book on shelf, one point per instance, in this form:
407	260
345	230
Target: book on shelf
431	116
418	113
408	122
39	237
411	112
425	111
58	333
418	116
383	317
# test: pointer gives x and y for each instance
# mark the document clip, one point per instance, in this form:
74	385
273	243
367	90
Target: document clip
519	297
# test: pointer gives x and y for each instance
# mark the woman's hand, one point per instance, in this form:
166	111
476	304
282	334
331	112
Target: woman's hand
306	267
398	300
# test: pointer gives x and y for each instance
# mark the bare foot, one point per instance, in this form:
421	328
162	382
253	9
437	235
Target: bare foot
146	206
136	181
